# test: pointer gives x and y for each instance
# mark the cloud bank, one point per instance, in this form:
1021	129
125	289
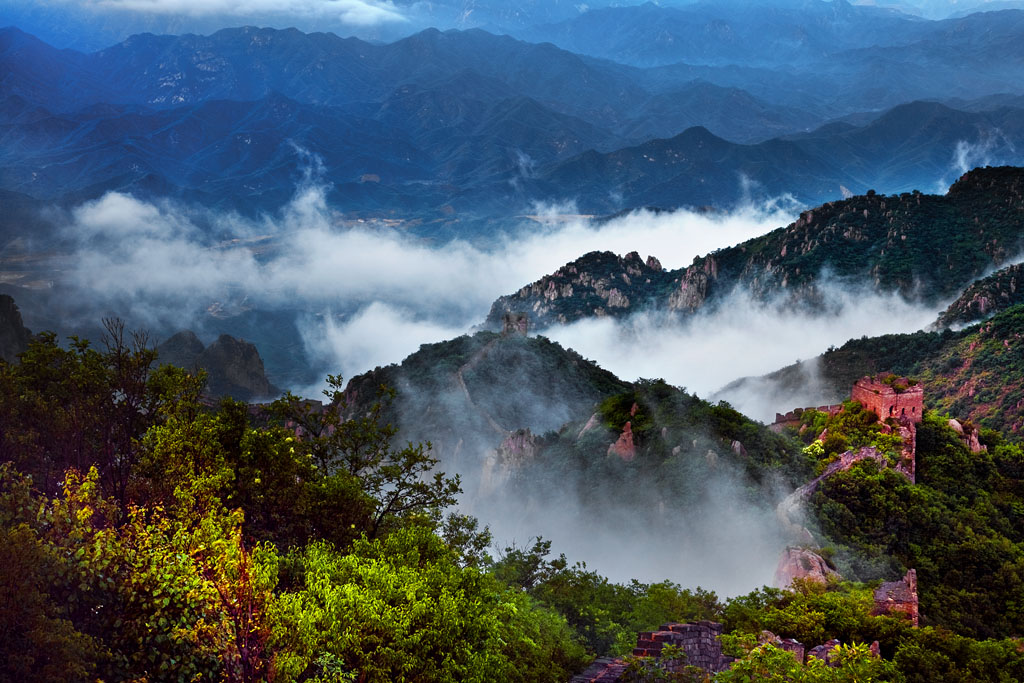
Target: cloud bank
354	12
372	294
741	338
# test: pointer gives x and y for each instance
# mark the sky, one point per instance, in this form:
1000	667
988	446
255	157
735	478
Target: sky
90	25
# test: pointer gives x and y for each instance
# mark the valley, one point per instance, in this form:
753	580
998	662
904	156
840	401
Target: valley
380	340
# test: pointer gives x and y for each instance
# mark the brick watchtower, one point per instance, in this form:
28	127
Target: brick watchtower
890	396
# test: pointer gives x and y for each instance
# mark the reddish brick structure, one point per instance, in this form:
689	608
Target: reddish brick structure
888	396
898	598
698	641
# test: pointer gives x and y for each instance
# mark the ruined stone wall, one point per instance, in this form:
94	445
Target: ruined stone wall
698	640
886	402
899	598
515	323
793	417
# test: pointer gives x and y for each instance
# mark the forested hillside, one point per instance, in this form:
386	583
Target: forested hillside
927	247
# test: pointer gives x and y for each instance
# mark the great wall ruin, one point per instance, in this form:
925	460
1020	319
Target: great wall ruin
899	403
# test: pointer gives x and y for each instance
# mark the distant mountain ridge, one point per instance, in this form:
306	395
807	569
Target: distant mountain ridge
465	124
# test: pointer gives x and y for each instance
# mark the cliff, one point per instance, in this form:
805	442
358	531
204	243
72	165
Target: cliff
233	366
597	284
14	336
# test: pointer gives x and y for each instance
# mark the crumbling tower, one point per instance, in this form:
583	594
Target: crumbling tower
890	396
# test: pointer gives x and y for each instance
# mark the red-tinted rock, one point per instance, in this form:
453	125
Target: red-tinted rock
801	563
624	447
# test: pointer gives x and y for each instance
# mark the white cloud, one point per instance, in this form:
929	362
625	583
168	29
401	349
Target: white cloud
376	335
353	12
741	338
153	264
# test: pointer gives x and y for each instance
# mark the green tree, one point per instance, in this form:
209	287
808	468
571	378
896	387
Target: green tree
398	482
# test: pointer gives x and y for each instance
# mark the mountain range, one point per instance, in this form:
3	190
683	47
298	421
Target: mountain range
467	126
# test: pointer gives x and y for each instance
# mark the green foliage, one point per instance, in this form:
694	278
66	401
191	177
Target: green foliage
670	666
813	613
931	655
850	429
395	482
401	608
958	526
605	615
78	406
853	664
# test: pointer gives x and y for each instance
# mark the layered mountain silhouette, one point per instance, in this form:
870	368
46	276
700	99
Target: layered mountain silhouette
468	124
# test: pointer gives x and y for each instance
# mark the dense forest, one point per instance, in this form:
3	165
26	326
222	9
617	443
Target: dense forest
151	534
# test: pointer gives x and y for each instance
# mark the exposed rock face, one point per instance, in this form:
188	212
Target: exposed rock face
886	237
624	447
824	651
692	287
592	423
968	435
899	598
801	563
596	284
14	336
986	296
181	350
794	647
233	366
518	449
236	369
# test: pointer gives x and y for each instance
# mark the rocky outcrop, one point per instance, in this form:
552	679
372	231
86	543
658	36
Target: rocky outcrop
236	369
887	241
233	366
968	435
517	450
14	336
804	564
986	296
794	647
594	285
624	446
692	288
181	350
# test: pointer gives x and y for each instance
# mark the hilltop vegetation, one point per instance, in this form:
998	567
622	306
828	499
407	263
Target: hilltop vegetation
466	394
973	374
150	535
925	247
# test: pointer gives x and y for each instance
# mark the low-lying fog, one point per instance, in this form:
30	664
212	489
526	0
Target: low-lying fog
370	295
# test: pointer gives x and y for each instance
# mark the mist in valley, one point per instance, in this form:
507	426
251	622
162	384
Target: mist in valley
366	295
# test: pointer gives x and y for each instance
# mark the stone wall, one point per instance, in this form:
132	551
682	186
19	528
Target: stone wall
699	641
792	418
515	323
898	598
884	399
